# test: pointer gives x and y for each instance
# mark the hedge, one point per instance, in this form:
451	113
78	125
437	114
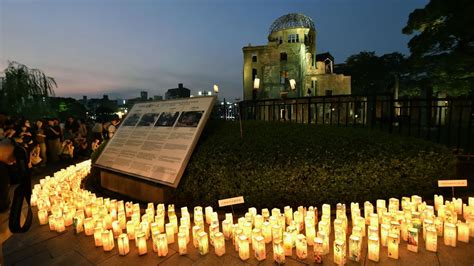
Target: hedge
278	164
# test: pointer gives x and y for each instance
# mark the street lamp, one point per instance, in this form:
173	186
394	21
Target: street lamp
256	86
216	88
293	84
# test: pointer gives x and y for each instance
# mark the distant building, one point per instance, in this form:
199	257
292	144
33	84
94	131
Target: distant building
84	100
144	96
180	92
290	60
157	98
93	104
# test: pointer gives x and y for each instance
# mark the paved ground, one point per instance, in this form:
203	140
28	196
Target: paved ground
42	247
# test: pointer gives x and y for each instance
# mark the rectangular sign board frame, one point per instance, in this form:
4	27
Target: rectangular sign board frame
452	183
231	201
156	139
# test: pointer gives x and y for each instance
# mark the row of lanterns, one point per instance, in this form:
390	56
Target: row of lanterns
62	203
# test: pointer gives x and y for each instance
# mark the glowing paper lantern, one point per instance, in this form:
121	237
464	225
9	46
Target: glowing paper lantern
255	232
131	230
123	244
52	224
288	243
318	250
59	225
463	232
259	248
431	242
170	232
339	252
88	226
98	236
457	205
384	229
247	230
278	252
107	240
368	210
354	248
219	244
244	247
301	247
412	239
438	201
226	228
196	230
203	243
439	226
267	232
208	211
213	228
174	222
117	229
392	240
277	232
182	244
323	235
43	216
470	221
360	222
404	229
258	221
374	248
77	223
450	234
310	231
288	211
162	245
141	243
185	229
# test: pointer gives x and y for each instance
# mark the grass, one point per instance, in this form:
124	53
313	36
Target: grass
278	164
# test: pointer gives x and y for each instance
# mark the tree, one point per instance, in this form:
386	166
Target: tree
372	74
24	87
442	49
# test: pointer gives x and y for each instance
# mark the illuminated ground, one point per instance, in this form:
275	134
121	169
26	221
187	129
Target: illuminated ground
42	247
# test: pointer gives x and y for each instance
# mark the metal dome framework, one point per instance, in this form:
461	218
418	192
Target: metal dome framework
292	20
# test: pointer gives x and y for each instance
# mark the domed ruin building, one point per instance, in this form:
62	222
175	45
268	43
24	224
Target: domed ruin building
291	55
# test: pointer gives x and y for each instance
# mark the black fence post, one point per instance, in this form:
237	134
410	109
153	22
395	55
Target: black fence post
338	109
439	114
469	125
458	139
391	114
324	113
450	117
309	110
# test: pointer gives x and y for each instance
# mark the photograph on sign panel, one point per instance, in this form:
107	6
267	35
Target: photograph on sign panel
167	119
148	119
131	120
189	119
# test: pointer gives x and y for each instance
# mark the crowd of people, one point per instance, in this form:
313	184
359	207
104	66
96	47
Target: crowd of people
49	141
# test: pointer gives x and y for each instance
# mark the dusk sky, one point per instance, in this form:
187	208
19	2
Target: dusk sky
120	47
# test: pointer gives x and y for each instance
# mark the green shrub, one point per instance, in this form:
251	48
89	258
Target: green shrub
278	164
